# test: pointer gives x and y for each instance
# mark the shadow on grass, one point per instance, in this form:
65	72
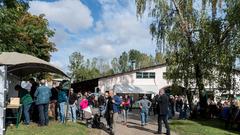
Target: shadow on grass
215	123
180	123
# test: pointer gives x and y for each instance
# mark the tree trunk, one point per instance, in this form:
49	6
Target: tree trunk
200	86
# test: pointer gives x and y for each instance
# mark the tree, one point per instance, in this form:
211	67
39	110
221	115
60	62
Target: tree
202	41
81	69
22	32
76	66
135	55
123	62
115	65
103	66
159	58
141	59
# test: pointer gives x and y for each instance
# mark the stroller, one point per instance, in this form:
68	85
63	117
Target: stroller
93	119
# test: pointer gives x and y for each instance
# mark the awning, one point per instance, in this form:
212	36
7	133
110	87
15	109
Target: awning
126	88
23	64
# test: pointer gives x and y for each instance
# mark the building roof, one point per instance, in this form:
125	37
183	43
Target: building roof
133	71
140	69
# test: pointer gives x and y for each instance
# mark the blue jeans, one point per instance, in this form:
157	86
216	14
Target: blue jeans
43	114
62	111
169	116
73	110
125	115
144	117
26	109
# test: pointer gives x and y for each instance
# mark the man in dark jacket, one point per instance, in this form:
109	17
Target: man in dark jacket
72	105
163	104
34	108
109	110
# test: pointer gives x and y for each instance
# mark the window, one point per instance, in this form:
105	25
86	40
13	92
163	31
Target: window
151	75
145	75
139	75
164	75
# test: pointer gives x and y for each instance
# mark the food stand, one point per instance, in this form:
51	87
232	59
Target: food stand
14	66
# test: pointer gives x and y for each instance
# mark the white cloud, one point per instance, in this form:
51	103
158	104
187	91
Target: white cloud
119	30
69	14
116	30
60	36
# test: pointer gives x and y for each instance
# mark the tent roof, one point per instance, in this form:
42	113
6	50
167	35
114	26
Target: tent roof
126	88
23	64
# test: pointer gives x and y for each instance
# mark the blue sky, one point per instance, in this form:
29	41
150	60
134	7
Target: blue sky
96	28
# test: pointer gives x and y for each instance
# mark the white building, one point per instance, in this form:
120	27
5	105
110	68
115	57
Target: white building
140	81
145	80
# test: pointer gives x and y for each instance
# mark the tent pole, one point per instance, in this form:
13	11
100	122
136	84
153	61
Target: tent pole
3	93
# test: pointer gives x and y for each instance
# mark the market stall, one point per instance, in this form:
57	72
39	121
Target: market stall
14	66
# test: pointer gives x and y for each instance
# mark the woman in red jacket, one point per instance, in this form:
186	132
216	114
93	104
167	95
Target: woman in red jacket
125	106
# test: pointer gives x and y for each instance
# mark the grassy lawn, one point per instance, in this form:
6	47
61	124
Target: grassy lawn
200	127
54	128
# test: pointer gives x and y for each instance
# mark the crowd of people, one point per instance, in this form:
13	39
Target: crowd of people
41	101
227	110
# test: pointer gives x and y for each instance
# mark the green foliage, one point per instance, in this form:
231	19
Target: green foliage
22	32
80	69
123	62
159	58
202	46
126	59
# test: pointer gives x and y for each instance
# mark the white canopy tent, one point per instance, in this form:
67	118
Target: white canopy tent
126	88
20	65
24	64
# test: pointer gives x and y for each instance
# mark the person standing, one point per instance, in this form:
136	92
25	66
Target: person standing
154	104
180	106
171	107
53	102
101	104
144	105
26	101
34	114
62	99
43	94
72	105
109	110
113	108
125	105
163	104
34	87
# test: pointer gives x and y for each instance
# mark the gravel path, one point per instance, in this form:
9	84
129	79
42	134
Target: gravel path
133	126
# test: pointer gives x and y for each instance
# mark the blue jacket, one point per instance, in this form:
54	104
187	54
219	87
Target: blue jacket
116	105
62	96
42	94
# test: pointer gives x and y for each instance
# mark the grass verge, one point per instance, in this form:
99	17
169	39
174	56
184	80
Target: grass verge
54	128
200	127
